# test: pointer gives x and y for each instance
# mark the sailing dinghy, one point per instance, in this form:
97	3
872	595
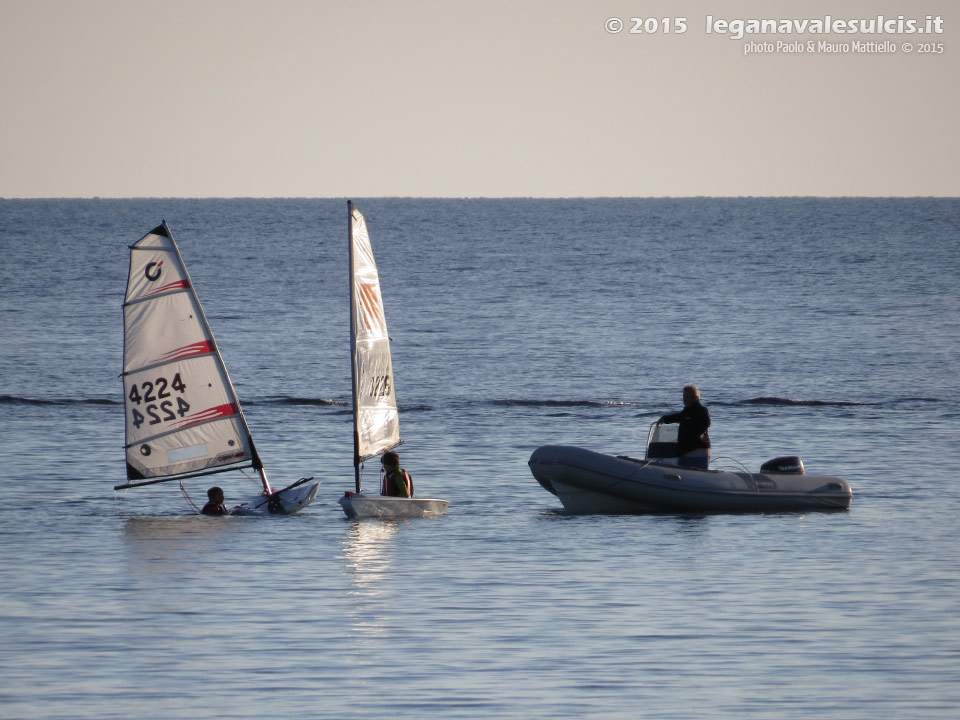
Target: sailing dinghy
183	416
376	421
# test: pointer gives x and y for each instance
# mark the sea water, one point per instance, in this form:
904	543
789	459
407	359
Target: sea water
824	328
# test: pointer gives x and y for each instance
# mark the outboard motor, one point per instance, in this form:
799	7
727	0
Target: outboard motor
789	465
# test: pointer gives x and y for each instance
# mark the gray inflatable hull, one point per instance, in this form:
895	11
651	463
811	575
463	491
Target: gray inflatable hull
591	482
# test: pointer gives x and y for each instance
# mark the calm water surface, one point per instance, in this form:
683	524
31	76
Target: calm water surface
822	328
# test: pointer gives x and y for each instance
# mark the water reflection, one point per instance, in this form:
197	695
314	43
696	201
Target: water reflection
173	545
685	525
368	549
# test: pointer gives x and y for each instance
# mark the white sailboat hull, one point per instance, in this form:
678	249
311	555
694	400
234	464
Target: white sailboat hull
286	502
359	505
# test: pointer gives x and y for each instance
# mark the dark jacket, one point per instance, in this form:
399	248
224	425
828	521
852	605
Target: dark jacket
694	421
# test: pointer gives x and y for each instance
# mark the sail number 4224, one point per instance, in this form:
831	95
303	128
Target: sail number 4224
158	401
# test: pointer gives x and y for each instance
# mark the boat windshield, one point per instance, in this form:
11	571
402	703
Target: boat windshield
662	442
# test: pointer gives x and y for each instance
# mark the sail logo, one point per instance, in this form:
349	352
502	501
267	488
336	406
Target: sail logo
152	271
371	307
231	456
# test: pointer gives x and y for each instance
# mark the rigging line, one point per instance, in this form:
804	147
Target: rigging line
183	489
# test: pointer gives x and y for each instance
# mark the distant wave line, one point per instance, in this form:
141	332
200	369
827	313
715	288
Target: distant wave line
794	401
773	401
16	400
323	402
295	401
561	403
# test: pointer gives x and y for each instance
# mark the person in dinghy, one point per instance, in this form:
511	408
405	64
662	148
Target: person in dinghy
692	436
396	481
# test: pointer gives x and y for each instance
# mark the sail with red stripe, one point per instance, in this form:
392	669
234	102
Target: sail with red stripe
377	422
182	412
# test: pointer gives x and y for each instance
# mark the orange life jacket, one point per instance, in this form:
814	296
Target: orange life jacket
391	484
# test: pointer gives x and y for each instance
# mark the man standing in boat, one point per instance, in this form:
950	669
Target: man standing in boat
396	481
692	437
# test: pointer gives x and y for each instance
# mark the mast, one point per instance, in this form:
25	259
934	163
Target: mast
353	349
376	422
257	463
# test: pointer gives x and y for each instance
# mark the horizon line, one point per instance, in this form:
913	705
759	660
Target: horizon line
479	197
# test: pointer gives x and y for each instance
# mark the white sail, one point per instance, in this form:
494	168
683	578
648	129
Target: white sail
182	413
377	423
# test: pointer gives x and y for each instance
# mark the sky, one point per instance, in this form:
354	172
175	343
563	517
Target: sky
472	98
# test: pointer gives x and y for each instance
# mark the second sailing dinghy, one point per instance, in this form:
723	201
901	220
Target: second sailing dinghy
376	421
183	416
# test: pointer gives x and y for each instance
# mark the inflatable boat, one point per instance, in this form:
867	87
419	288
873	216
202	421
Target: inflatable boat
590	482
